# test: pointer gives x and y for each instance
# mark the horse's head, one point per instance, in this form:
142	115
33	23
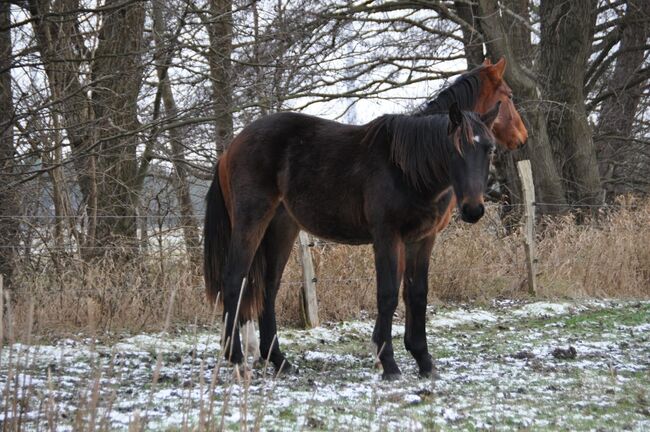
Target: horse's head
508	127
471	147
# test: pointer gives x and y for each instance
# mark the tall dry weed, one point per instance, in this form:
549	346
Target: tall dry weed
606	257
108	295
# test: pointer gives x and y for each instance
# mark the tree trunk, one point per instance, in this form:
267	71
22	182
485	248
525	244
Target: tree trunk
616	150
181	179
9	208
472	40
219	57
548	187
117	72
566	36
57	37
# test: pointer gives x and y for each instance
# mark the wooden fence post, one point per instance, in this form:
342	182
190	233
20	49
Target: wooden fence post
309	301
528	189
2	315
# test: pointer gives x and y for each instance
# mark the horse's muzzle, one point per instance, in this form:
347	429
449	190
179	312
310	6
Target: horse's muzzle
472	213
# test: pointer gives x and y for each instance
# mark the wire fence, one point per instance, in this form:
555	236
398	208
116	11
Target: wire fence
165	233
486	260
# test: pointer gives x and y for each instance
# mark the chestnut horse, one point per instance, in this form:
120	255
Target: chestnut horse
387	183
478	90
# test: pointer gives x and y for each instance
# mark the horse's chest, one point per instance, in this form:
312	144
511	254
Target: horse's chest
423	222
414	229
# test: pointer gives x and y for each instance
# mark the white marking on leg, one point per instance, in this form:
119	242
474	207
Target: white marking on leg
250	337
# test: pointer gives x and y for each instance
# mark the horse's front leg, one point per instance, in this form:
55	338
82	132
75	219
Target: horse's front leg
415	299
388	249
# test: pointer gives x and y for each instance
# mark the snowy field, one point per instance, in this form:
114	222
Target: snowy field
512	366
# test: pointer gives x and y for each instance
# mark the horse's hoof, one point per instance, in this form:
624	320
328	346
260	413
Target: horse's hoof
286	369
427	368
242	372
429	374
391	376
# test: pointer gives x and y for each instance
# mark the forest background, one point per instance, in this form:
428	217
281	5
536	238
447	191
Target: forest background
113	114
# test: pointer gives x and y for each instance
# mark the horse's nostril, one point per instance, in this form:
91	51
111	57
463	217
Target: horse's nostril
472	214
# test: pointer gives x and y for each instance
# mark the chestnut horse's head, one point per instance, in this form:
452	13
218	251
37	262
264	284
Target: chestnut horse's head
508	128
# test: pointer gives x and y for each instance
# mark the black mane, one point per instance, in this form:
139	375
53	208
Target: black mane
464	91
420	144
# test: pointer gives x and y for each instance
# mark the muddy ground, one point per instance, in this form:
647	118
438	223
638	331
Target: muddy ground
511	366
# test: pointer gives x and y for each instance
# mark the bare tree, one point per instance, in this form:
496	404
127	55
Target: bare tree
553	80
618	149
219	26
566	34
120	103
117	70
165	47
9	208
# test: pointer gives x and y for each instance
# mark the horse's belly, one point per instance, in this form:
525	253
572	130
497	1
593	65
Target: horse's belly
341	221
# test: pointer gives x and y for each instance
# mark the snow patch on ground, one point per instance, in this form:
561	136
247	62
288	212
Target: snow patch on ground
496	371
462	317
545	309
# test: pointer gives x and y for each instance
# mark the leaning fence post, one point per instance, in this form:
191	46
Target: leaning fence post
309	301
526	176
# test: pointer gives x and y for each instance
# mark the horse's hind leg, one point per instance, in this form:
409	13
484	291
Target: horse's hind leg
277	244
251	219
415	299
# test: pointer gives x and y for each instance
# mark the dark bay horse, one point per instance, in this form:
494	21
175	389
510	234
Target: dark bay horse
388	183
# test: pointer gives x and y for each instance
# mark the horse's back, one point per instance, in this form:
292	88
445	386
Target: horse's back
318	168
271	139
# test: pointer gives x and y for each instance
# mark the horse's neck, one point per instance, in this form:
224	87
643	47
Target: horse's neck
441	183
441	104
432	193
463	92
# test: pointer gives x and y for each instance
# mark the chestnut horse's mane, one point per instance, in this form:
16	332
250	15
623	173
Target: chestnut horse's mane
464	91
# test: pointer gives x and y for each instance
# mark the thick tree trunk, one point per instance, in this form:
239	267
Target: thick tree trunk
219	57
616	150
548	187
117	72
566	36
472	40
9	208
58	41
57	37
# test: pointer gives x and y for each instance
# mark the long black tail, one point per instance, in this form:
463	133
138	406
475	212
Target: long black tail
216	243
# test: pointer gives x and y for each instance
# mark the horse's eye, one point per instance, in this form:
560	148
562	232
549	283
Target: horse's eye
510	96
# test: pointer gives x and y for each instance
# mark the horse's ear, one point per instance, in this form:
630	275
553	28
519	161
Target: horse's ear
487	62
500	68
455	118
489	117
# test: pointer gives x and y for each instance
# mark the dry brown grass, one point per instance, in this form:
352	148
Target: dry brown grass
107	296
608	257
